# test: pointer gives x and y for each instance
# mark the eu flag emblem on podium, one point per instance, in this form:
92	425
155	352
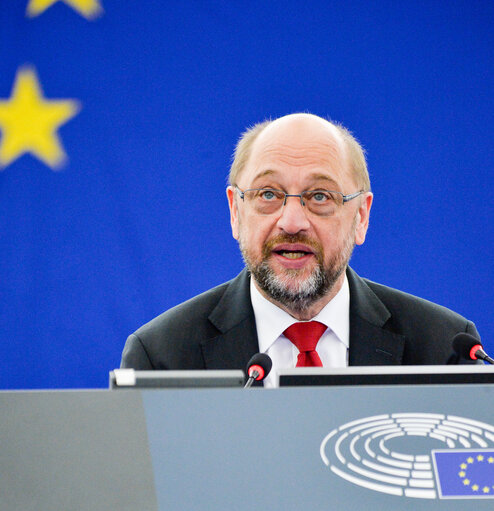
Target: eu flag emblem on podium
465	473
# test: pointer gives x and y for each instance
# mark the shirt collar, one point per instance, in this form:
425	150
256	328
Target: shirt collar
271	321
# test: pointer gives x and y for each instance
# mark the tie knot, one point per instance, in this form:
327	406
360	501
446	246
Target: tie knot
305	335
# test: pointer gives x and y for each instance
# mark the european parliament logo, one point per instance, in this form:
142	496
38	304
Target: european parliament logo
418	455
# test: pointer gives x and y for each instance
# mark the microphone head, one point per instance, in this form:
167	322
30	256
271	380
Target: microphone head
466	345
261	363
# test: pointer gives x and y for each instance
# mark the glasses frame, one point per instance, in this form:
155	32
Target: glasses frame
345	198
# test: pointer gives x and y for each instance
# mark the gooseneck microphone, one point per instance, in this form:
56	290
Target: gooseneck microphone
258	368
469	347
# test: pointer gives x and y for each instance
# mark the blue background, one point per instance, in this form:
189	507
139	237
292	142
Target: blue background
137	221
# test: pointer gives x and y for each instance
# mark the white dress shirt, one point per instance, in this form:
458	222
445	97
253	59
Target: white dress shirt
271	322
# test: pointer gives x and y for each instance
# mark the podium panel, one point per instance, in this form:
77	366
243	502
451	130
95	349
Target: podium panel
74	450
346	448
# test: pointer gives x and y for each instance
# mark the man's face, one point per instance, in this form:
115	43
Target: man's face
296	257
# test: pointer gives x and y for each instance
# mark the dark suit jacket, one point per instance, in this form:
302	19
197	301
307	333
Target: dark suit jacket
216	330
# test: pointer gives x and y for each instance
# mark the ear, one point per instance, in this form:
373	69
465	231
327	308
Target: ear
232	203
363	218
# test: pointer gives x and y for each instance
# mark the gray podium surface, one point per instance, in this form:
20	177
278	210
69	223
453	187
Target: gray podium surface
316	448
74	450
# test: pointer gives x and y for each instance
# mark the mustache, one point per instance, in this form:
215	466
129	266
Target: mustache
268	247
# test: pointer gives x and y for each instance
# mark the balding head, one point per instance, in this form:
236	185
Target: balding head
304	128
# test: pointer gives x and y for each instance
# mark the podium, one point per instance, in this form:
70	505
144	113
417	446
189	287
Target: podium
394	447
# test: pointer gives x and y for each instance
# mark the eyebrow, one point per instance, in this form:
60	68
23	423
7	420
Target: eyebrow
263	174
324	177
314	177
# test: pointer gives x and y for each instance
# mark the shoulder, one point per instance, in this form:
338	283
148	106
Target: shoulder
426	327
405	305
173	339
180	319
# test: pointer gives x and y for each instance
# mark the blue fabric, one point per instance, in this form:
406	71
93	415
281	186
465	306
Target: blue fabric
135	220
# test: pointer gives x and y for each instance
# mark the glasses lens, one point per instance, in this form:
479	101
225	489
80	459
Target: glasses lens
265	201
322	202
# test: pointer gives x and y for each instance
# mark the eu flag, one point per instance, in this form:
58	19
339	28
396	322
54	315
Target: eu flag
465	473
117	124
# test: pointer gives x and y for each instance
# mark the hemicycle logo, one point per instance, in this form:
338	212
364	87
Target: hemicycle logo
418	455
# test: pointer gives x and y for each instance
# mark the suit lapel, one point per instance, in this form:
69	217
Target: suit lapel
234	318
370	342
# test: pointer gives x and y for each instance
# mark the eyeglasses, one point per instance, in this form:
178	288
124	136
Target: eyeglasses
267	201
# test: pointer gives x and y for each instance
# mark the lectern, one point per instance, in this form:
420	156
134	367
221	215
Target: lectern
344	447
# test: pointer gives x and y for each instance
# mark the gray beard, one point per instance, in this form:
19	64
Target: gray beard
296	296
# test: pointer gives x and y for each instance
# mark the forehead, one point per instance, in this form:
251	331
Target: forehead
298	149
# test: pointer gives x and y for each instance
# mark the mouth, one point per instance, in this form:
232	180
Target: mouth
291	255
293	252
296	254
293	248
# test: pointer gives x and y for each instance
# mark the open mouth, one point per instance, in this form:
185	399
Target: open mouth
293	251
295	254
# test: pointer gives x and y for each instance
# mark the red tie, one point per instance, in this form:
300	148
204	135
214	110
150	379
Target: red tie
305	336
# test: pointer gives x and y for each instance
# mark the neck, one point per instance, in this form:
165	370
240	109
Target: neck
313	310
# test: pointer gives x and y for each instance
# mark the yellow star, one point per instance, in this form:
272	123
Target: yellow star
90	9
475	487
486	489
470	460
463	466
461	474
466	482
491	460
480	457
28	122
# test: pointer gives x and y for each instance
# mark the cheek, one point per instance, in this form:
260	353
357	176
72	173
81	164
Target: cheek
329	235
334	236
254	233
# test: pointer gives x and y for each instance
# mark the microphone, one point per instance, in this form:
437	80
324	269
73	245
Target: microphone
258	368
469	347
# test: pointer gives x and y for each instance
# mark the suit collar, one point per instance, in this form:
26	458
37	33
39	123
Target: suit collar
370	342
235	305
234	318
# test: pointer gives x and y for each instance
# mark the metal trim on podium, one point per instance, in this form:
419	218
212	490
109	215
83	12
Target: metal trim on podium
387	375
130	378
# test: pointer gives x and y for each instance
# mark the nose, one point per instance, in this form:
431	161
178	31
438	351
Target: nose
293	217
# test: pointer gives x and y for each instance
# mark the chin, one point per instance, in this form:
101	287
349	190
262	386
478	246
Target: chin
295	281
296	289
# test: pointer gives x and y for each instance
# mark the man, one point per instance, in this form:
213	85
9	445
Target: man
300	201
